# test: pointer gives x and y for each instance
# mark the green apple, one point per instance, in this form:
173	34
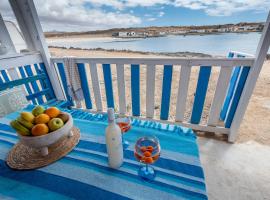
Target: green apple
64	117
38	110
27	116
55	124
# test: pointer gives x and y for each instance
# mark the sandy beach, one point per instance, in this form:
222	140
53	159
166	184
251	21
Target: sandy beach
254	126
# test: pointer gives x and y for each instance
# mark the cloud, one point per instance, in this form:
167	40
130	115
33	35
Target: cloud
72	15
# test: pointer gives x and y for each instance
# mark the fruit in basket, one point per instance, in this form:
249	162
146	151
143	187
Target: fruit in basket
63	116
20	128
38	110
27	116
25	123
40	129
55	124
52	112
42	119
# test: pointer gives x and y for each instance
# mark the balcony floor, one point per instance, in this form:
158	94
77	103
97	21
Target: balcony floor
235	171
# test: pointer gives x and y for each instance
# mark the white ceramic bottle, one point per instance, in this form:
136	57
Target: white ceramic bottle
114	142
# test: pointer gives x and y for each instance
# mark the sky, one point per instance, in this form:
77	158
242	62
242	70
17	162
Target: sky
84	15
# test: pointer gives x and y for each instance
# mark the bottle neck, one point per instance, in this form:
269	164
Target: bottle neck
111	116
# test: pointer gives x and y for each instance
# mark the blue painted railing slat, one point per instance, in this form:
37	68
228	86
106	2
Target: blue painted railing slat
34	84
43	82
201	90
108	85
237	94
135	89
1	80
47	81
231	90
84	84
64	82
5	76
166	92
27	86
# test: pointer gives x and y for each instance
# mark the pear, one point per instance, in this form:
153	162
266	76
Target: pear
38	110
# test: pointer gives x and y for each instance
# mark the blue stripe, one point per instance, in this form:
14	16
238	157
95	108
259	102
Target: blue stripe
134	178
201	90
1	80
29	72
166	92
23	75
231	89
161	174
84	84
43	83
238	92
162	162
58	184
47	80
5	76
108	84
135	89
64	82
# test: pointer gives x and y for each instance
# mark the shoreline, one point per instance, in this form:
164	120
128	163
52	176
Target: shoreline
131	52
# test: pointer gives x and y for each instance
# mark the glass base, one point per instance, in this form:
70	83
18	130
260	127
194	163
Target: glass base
147	173
125	144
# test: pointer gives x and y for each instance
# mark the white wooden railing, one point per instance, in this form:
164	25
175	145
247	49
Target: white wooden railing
100	70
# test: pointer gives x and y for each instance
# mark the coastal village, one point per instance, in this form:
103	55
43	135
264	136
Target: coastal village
178	30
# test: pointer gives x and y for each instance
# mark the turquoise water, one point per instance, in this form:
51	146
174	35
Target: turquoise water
219	44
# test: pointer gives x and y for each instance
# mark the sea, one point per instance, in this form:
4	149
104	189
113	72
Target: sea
214	44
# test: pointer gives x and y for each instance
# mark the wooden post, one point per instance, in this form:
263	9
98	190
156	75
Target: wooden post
261	53
30	26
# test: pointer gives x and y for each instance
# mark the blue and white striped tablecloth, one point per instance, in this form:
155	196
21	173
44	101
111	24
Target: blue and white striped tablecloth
84	173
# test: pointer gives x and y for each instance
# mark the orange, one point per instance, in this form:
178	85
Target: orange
42	119
147	153
40	129
52	112
143	149
150	148
148	160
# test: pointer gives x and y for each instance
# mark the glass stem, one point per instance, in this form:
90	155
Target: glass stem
146	167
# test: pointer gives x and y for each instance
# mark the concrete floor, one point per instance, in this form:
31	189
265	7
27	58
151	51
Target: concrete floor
235	171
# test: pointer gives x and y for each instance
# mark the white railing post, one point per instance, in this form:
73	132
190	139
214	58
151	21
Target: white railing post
30	26
254	72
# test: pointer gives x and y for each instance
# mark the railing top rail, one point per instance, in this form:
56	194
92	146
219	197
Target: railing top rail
16	60
164	61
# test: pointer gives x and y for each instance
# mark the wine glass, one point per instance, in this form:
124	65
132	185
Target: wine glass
147	151
125	124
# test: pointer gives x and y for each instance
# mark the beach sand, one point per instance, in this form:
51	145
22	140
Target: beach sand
232	171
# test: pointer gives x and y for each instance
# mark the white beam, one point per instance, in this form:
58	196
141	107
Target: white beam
254	72
30	26
5	38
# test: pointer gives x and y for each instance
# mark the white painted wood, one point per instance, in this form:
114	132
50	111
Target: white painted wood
5	38
96	85
150	90
254	72
172	61
198	127
30	26
17	60
120	70
220	94
182	92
